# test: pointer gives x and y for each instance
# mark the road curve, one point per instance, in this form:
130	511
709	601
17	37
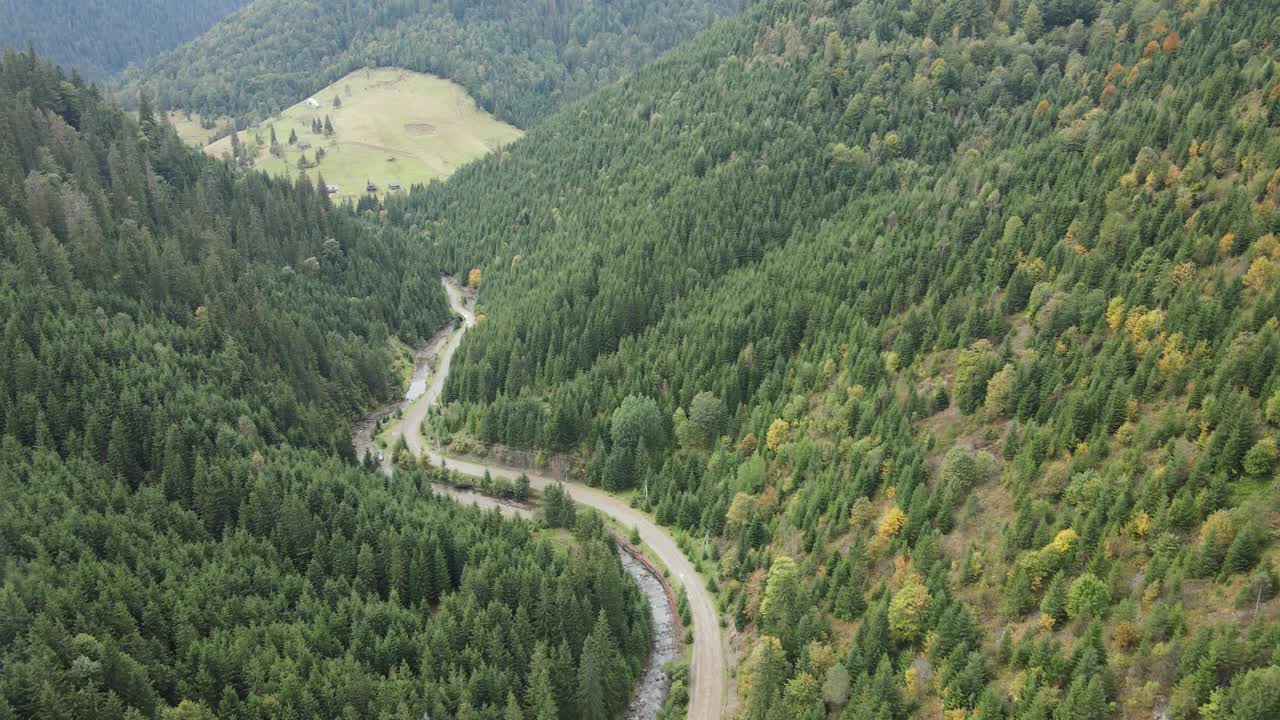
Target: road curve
708	671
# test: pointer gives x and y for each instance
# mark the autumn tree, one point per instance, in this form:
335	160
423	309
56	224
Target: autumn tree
777	433
906	609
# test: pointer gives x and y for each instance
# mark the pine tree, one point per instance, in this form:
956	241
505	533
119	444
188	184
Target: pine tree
146	117
175	477
121	454
768	672
783	604
1054	603
1018	597
540	694
1242	553
1032	22
512	711
594	672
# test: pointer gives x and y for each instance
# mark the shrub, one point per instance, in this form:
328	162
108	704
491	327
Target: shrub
1089	597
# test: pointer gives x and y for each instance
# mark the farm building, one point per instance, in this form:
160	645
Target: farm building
331	189
304	145
373	187
393	186
313	103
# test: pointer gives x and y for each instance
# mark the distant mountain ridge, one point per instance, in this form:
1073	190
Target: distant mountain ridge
521	60
101	37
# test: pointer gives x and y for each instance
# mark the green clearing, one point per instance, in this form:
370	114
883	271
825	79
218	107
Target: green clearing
190	127
192	130
393	126
402	357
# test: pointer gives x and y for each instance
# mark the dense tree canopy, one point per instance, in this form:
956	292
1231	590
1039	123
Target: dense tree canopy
99	37
183	529
989	289
520	60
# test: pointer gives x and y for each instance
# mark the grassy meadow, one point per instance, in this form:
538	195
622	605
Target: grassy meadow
191	129
393	126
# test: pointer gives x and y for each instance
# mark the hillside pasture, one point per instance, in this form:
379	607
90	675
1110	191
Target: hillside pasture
392	126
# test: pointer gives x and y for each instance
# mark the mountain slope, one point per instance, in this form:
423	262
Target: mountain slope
100	38
520	60
184	532
970	309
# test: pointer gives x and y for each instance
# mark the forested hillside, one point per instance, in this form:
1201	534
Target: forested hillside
520	60
957	323
101	37
183	530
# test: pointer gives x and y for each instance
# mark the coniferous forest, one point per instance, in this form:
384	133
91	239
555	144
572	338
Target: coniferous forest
955	322
519	60
184	532
944	338
100	37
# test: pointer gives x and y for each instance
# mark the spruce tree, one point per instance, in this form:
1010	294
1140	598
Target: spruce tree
594	668
1054	603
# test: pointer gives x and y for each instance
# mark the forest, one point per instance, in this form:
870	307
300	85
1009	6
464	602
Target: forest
102	37
519	60
184	532
957	324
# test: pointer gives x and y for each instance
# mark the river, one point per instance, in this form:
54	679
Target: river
707	671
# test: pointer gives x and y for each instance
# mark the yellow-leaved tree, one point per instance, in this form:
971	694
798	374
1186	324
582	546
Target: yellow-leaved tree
777	433
891	523
473	278
906	608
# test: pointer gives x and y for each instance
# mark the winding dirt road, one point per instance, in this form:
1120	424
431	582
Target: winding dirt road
708	672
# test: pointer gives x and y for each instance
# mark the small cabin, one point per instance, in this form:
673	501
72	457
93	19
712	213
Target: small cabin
313	103
331	189
304	145
373	187
393	186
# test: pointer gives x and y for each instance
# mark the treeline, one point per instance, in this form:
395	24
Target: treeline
969	306
101	37
520	61
183	532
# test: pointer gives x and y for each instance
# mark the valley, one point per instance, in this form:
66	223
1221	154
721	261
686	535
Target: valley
646	359
709	669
